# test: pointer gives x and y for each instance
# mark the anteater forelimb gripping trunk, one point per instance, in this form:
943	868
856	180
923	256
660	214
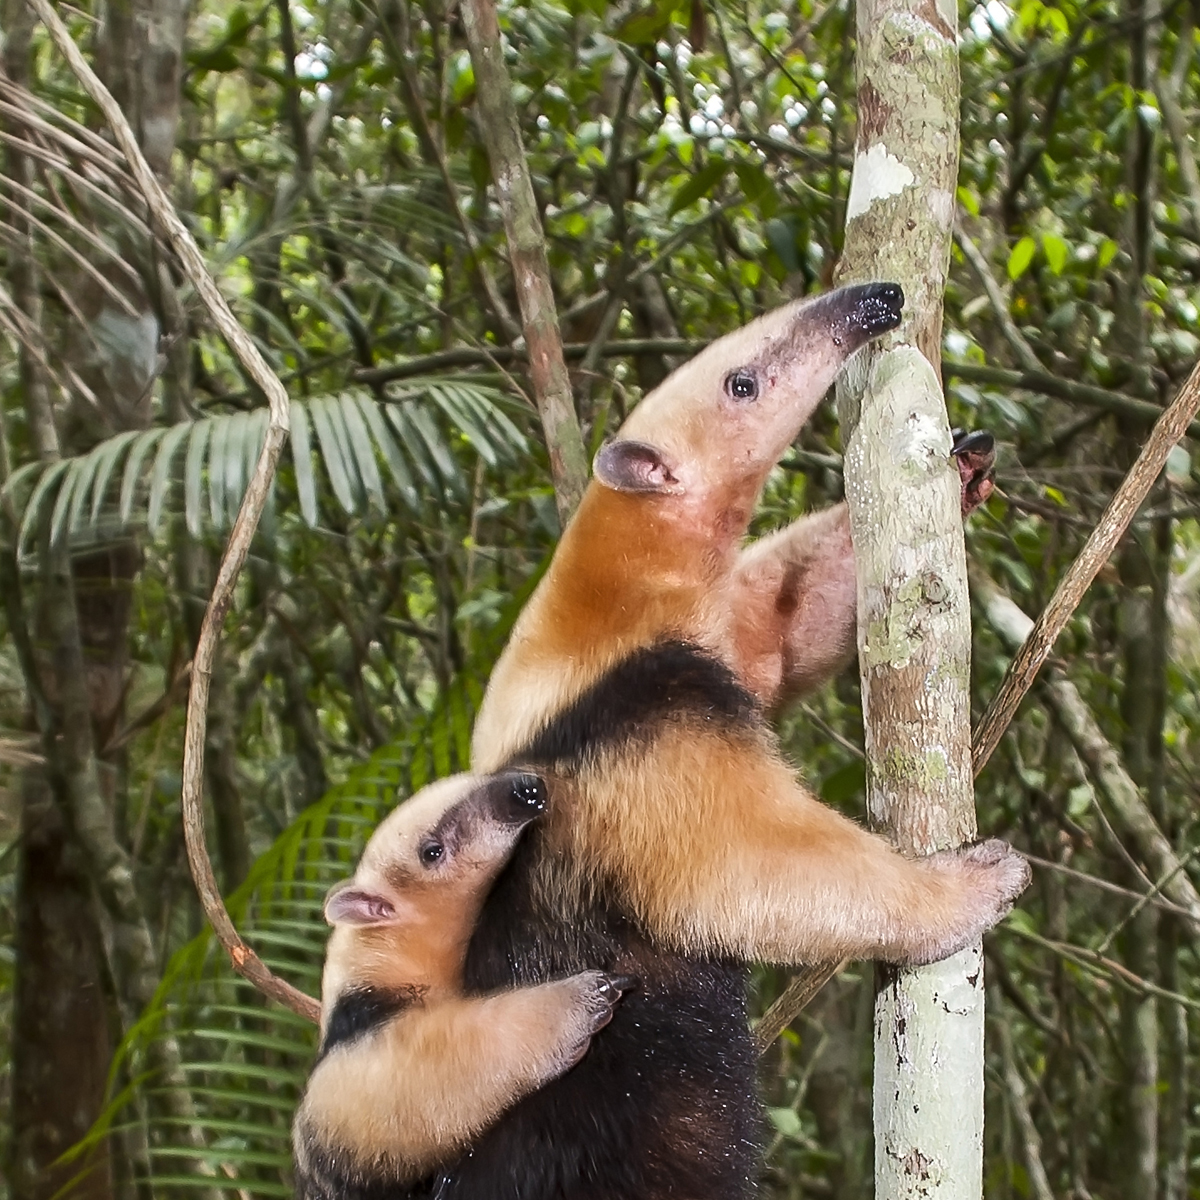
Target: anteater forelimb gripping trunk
679	845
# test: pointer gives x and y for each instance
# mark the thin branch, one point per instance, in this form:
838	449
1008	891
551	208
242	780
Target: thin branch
1018	1095
1171	426
792	1000
1102	761
1169	88
996	298
1061	389
497	116
402	57
245	961
470	356
148	715
1106	885
1099	965
57	163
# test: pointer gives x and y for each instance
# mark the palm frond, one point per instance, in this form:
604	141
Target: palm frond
243	1062
363	448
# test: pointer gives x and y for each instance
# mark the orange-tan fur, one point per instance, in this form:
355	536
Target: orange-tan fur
724	853
399	1098
710	838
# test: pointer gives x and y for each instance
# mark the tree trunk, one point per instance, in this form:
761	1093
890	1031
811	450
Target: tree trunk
76	872
60	1022
914	634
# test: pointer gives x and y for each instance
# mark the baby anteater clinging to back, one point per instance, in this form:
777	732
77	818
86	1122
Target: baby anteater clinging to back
410	1069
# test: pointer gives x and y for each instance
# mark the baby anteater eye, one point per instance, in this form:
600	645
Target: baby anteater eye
741	385
431	852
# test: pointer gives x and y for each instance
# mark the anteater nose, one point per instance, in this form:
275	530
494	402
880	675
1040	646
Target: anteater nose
877	307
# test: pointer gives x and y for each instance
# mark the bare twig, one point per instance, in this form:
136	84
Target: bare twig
1061	389
1102	761
401	52
245	961
798	994
470	356
1015	338
1099	965
1106	885
527	252
1018	1095
1169	88
1171	426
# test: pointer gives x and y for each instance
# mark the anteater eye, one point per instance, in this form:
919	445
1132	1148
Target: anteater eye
431	852
741	385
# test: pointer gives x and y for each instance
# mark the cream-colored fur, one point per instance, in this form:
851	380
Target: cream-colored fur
404	1097
711	840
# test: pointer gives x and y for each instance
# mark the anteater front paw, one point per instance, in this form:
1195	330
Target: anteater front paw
975	454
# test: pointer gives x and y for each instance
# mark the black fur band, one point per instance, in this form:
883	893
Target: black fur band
669	677
360	1010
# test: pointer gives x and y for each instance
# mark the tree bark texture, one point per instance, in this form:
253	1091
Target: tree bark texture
61	1018
60	1022
527	253
914	633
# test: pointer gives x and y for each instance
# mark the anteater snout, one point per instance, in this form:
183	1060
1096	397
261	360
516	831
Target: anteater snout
875	307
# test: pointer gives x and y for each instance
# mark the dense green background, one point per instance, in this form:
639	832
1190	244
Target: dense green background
692	164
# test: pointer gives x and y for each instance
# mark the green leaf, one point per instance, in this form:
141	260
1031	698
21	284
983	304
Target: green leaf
87	477
968	200
306	484
1057	252
756	186
699	185
216	473
235	463
363	452
1106	253
396	465
193	476
62	506
786	1121
844	783
133	471
1020	257
160	476
51	476
781	234
337	461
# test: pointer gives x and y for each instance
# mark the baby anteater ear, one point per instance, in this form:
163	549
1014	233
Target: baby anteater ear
628	466
348	904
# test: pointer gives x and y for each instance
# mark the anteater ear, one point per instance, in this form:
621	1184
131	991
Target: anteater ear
634	467
348	904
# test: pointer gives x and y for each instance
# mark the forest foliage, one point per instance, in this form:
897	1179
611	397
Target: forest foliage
691	165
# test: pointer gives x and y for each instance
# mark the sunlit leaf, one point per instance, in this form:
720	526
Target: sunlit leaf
1020	257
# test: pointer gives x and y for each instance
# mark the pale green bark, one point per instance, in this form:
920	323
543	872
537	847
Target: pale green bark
914	631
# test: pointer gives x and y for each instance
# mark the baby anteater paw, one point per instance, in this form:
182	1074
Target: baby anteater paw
594	995
975	454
